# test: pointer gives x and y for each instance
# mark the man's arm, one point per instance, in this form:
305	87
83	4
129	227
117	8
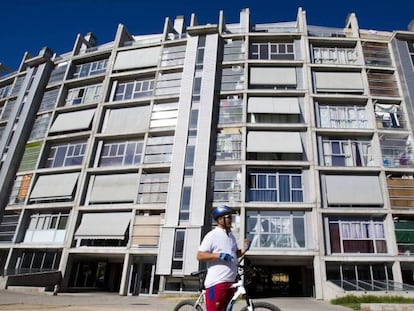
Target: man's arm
207	256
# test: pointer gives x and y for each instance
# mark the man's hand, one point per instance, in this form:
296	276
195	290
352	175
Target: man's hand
225	257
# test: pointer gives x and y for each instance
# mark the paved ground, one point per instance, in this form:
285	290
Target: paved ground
11	300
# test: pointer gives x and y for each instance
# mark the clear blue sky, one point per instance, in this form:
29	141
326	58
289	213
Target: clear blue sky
29	25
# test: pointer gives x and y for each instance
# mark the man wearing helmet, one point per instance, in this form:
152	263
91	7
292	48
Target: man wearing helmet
219	250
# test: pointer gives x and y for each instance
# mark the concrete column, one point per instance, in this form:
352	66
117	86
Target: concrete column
123	288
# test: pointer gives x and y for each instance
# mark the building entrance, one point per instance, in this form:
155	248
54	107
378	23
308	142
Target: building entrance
281	281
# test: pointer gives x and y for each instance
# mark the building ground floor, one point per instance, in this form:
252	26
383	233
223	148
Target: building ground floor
271	275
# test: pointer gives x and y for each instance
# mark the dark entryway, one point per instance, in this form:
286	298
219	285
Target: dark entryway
281	281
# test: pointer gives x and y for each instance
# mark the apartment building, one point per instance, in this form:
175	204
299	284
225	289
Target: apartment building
113	154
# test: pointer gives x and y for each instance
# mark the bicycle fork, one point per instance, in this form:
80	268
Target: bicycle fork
239	292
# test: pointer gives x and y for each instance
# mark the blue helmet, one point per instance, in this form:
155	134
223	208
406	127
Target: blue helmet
221	211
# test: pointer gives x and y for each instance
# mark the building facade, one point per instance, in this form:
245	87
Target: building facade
112	156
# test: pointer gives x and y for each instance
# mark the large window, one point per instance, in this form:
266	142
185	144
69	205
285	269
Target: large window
49	100
66	154
159	149
347	152
164	114
173	55
404	235
227	186
281	186
168	83
133	89
90	69
121	153
85	94
276	229
231	110
356	235
229	144
20	189
342	116
46	228
361	275
32	261
153	188
334	55
40	126
232	78
272	51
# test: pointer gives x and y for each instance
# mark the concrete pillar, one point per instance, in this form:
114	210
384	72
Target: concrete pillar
123	288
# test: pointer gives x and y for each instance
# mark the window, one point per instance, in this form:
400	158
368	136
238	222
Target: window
159	149
90	69
133	89
376	54
272	51
334	55
283	186
347	152
404	235
7	110
8	226
389	116
164	114
82	95
30	156
32	261
357	275
356	236
173	55
342	116
113	188
153	188
49	100
229	144
279	78
276	229
178	253
146	230
4	91
18	83
20	189
46	228
382	84
234	50
66	154
411	50
338	82
227	186
232	78
58	73
231	110
168	83
121	153
40	126
397	150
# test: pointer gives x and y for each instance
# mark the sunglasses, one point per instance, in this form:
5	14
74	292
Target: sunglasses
227	216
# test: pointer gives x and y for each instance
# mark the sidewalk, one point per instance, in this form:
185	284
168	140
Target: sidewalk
16	301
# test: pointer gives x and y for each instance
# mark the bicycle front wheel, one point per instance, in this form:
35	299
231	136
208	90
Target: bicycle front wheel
262	306
187	305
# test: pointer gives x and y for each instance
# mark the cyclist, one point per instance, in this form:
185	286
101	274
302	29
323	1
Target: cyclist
219	250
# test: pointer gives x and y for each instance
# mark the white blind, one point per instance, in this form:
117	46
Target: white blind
353	189
276	105
72	121
103	225
56	186
127	120
114	188
281	142
273	76
339	81
139	58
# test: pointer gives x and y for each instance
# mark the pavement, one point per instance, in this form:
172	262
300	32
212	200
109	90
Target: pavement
12	300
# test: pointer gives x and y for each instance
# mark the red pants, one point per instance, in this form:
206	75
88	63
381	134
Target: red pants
218	296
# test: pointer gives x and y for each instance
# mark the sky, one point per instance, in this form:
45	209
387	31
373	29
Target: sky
30	25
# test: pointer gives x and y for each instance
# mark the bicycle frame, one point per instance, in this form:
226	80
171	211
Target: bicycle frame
240	291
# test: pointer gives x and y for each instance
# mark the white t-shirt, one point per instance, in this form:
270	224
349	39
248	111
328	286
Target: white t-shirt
219	271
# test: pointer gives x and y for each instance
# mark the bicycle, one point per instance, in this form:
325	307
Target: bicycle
239	285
